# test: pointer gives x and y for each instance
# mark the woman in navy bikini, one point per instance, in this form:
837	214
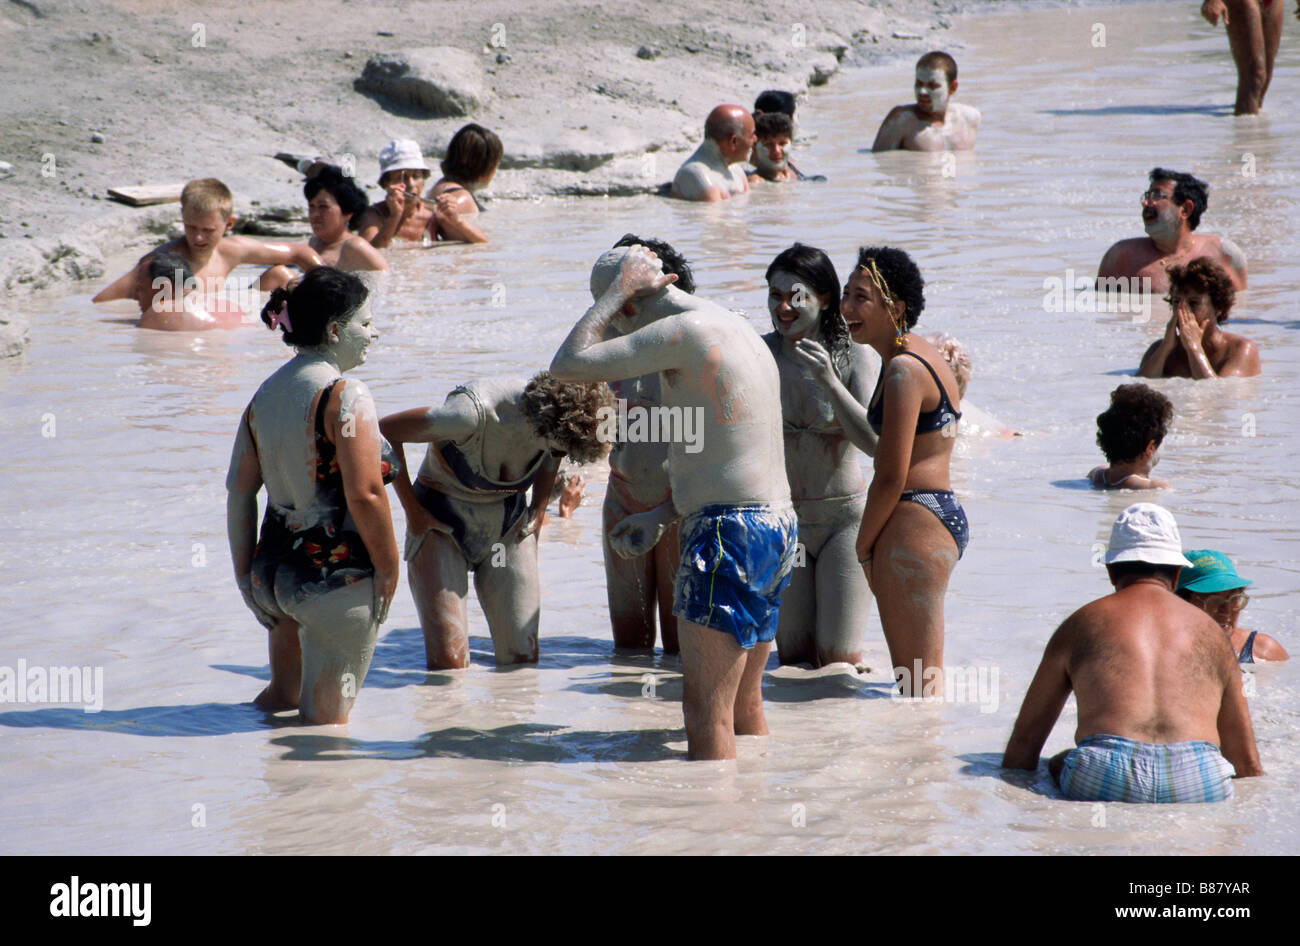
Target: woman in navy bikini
913	529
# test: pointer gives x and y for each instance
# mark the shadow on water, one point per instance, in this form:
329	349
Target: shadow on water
989	765
519	742
1217	110
194	719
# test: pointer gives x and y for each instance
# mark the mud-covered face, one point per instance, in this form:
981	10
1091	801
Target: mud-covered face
932	91
349	340
794	306
772	154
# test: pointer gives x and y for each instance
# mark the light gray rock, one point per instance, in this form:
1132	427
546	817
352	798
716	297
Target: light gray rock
432	82
13	335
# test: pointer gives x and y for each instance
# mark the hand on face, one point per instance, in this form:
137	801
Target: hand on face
1189	329
816	359
642	274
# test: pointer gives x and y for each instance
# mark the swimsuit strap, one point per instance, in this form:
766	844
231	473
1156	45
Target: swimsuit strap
1247	655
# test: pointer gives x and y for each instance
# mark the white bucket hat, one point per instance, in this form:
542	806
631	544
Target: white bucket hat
401	154
1145	532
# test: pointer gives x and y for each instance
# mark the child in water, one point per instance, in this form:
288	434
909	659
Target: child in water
1129	433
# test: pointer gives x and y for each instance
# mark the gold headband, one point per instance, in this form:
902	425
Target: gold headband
869	267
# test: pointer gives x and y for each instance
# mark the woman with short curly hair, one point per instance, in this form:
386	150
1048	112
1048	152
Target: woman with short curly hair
466	512
1200	297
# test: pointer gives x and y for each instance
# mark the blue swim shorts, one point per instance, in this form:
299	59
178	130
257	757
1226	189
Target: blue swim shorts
736	561
1112	768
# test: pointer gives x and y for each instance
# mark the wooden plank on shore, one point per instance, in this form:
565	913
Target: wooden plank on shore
147	194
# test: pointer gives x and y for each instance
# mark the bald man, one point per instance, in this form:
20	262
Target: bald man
713	172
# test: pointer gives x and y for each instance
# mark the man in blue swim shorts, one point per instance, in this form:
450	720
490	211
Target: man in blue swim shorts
1162	716
727	480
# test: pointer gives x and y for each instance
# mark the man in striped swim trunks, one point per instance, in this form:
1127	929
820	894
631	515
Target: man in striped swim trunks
1162	716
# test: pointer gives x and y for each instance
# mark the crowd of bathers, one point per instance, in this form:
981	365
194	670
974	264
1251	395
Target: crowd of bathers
737	514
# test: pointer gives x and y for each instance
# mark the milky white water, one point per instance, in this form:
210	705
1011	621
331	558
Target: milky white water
115	553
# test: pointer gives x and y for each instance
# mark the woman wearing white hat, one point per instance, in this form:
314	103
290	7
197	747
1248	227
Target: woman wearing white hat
403	213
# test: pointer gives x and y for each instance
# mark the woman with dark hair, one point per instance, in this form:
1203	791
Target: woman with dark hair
489	443
472	158
321	575
334	206
824	610
1201	295
1129	433
913	529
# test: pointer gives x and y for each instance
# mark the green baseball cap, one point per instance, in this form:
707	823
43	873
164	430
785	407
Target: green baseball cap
1211	571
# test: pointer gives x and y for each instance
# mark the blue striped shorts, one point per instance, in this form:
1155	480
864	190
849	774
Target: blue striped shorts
1112	768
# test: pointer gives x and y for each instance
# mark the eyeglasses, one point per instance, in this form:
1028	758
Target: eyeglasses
1154	195
1235	600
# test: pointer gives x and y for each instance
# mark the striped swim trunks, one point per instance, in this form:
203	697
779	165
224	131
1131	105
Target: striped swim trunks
1112	768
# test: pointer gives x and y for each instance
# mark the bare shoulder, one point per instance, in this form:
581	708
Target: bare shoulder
968	113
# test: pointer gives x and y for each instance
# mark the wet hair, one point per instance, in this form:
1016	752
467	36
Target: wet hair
207	194
471	154
167	265
723	125
673	261
773	125
812	266
1136	416
1205	277
568	412
1186	187
939	60
957	357
351	199
322	296
901	275
774	100
1119	570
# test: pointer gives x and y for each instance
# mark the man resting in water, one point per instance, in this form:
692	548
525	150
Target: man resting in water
935	122
1200	298
1157	684
712	172
738	527
1171	209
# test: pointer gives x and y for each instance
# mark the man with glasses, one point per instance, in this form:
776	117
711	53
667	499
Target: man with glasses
1213	585
1171	209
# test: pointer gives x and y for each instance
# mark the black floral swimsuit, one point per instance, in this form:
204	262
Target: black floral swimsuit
290	564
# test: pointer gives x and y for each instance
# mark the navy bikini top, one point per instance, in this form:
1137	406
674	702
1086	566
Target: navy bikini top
927	422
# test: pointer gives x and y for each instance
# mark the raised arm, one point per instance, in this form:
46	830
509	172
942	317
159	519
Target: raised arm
1043	703
848	400
352	426
585	356
1157	354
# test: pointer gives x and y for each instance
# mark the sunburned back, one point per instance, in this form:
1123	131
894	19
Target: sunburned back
283	422
1148	666
728	398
